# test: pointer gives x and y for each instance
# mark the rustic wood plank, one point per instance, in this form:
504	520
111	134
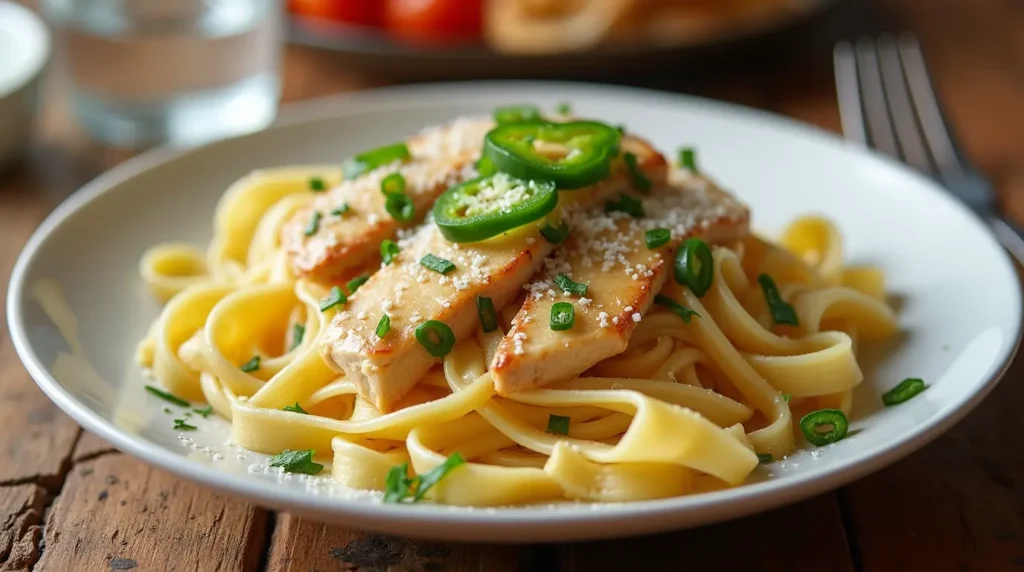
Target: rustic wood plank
90	446
21	519
114	511
37	436
805	536
300	544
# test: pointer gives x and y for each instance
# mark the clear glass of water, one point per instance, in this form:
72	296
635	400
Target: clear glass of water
143	72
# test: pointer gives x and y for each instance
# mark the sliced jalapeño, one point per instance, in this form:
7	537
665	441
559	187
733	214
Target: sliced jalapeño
488	206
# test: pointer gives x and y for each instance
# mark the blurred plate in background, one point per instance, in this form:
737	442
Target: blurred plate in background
563	38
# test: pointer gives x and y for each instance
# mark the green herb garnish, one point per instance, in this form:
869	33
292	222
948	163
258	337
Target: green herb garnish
439	265
317	185
907	389
568	285
555	234
782	313
335	298
657	237
388	250
682	311
181	425
383	326
167	396
314	223
627	204
558	424
297	462
295	408
251	365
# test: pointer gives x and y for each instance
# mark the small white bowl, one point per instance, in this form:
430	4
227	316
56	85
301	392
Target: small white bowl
24	51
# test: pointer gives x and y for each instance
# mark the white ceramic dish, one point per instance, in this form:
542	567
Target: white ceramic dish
24	51
960	300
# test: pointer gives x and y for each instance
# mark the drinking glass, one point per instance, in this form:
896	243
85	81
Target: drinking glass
143	72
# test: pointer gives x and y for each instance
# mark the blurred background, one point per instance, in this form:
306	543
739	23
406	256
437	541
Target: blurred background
100	80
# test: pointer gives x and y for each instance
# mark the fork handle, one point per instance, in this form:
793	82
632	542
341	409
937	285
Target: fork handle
1010	235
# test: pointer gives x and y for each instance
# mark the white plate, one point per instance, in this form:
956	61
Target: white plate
960	299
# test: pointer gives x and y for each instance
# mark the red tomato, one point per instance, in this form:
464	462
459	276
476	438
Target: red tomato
434	20
361	12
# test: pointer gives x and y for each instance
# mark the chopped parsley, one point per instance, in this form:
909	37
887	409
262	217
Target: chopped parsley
297	462
251	365
335	298
181	425
398	486
204	412
295	408
317	185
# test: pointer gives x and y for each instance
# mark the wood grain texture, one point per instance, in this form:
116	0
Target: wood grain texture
299	544
115	512
805	536
21	519
37	435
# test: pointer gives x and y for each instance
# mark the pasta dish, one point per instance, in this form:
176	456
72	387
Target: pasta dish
511	309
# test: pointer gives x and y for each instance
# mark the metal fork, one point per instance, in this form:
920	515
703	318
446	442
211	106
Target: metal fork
887	101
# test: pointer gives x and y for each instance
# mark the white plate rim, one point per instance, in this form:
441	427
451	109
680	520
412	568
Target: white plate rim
441	522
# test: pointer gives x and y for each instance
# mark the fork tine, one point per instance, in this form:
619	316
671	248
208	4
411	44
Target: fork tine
848	91
943	151
904	120
875	106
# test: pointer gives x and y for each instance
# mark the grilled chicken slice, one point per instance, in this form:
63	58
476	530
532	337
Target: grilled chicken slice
385	369
607	252
337	242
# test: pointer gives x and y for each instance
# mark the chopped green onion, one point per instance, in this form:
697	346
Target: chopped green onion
388	250
485	167
488	316
383	326
558	424
782	313
657	237
295	408
682	311
344	208
765	458
627	204
516	113
167	396
555	234
436	337
563	316
636	174
688	159
393	183
568	285
251	365
317	185
434	476
297	462
439	265
824	426
397	483
335	298
694	266
314	223
204	411
907	389
786	397
370	160
355	283
181	425
298	332
400	207
564	108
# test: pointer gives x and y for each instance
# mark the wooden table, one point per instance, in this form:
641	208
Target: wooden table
69	501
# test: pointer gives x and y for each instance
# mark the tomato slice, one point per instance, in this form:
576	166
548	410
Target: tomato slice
434	21
359	12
